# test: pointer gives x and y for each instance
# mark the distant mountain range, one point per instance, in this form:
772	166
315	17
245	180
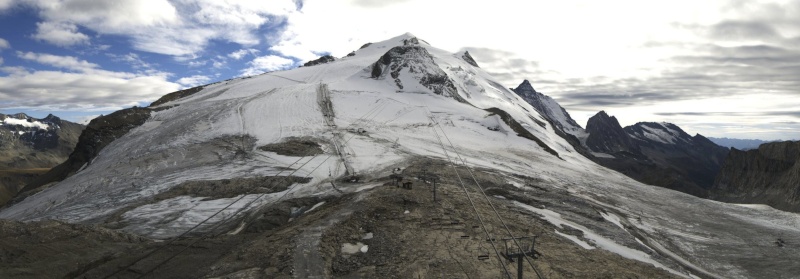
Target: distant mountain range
662	154
659	154
741	144
30	146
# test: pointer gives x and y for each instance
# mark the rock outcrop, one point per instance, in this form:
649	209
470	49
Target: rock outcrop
412	63
322	60
768	175
468	58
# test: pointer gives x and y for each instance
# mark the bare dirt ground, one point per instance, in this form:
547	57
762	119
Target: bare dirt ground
406	234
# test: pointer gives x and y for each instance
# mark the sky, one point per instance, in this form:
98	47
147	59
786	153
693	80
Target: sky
718	68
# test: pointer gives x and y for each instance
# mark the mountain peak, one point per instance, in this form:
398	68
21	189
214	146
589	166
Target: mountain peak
413	60
408	35
548	108
606	135
525	86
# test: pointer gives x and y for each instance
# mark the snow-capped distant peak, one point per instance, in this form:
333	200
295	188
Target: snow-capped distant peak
662	132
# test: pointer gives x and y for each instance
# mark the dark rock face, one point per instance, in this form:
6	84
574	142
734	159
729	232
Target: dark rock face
767	175
414	60
322	60
177	95
607	136
468	58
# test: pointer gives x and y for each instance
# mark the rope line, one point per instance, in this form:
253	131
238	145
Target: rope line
477	214
514	239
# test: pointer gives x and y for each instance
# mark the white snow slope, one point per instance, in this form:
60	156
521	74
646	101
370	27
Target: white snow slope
187	142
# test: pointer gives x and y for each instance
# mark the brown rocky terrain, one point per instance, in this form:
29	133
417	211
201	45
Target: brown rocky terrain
406	233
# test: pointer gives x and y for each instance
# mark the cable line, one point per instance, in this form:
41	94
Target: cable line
514	239
477	214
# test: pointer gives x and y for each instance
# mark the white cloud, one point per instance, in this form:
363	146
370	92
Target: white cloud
80	91
5	4
87	87
239	54
84	120
134	60
25	123
60	33
113	17
13	70
178	28
3	43
195	64
66	62
194	80
218	64
267	63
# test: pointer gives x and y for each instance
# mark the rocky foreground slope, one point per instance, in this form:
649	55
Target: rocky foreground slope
768	175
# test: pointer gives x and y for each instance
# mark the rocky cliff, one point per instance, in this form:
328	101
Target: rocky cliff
767	175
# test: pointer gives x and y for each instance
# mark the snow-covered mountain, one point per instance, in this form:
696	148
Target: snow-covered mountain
207	157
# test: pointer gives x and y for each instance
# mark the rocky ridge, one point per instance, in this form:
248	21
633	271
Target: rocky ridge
659	154
768	175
